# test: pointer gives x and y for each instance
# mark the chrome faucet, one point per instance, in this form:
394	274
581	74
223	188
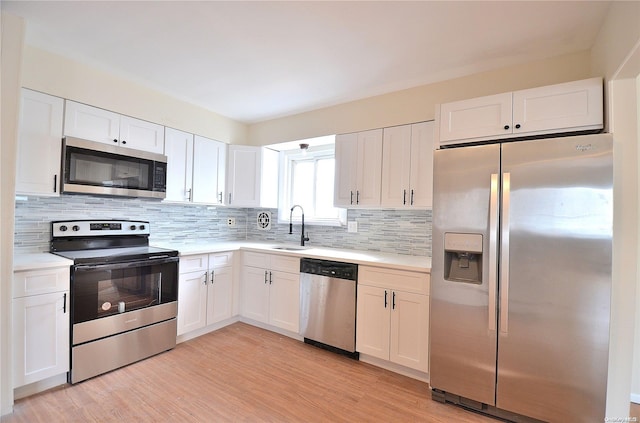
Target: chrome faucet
303	238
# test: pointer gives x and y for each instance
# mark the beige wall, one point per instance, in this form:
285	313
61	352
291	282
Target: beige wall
76	81
615	55
418	104
12	42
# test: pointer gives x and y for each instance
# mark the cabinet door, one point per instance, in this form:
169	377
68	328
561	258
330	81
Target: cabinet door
372	323
209	159
346	157
179	151
255	294
40	337
245	167
421	178
476	118
219	295
396	166
409	340
369	168
39	144
91	123
284	300
141	135
192	301
564	107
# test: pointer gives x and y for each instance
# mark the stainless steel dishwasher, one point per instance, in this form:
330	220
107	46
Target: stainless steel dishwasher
328	304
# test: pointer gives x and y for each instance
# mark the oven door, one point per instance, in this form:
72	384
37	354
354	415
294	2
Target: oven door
112	298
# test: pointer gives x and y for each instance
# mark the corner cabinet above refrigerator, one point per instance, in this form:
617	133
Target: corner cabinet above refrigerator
521	277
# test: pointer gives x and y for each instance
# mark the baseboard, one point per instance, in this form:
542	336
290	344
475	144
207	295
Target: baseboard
40	386
635	398
210	328
396	368
270	328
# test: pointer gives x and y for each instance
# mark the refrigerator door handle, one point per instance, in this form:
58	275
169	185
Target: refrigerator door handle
493	250
504	254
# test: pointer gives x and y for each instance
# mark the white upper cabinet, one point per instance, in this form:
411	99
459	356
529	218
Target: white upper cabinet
195	168
209	170
92	123
178	147
568	107
407	165
358	169
252	177
39	144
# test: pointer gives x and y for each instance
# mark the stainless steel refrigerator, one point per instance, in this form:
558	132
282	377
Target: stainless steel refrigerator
521	277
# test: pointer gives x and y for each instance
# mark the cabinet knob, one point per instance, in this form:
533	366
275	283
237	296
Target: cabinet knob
115	140
517	126
124	142
506	127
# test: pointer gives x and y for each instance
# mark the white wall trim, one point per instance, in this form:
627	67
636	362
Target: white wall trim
635	398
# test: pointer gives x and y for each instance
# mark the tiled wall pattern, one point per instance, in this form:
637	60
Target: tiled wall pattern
391	231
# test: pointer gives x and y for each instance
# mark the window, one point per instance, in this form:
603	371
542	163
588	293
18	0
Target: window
306	179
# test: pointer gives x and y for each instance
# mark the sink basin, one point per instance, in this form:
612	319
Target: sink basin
290	248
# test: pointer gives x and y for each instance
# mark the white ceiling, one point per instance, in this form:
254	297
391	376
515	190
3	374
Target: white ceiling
253	61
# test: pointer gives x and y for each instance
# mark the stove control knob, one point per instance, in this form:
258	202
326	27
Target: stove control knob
132	227
141	227
75	228
63	228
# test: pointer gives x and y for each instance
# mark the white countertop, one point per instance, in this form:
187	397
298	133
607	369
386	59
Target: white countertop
32	261
370	258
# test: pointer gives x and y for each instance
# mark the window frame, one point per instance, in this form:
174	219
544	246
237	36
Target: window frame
287	158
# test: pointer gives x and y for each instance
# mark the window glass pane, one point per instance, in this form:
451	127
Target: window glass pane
324	188
302	184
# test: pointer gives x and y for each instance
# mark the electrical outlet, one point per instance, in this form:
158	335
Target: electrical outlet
231	221
352	226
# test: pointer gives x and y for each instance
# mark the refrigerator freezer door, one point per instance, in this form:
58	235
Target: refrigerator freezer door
463	317
553	343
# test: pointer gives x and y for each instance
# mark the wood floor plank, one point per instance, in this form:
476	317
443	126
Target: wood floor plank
242	374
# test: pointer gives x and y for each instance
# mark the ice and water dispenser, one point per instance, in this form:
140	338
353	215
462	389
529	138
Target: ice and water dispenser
463	257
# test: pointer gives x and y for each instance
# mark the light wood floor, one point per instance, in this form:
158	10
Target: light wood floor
243	374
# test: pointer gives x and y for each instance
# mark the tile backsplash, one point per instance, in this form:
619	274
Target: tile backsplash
386	230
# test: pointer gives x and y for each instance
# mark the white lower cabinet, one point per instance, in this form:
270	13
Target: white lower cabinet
271	290
393	316
205	290
40	324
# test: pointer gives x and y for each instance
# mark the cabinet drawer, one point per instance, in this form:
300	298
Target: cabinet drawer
194	263
221	259
42	281
256	259
394	279
285	264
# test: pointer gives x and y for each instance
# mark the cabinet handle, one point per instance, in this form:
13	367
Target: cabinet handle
64	303
270	278
189	194
229	198
220	195
115	140
212	275
506	127
55	183
404	196
517	126
393	301
265	276
385	298
206	274
357	196
124	142
351	201
412	197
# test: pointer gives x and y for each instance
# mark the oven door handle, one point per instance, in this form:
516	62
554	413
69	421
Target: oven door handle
154	260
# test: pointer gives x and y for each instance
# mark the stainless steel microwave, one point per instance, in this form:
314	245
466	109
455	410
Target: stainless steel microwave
90	167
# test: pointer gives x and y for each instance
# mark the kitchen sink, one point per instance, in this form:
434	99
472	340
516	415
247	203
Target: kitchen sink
290	248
